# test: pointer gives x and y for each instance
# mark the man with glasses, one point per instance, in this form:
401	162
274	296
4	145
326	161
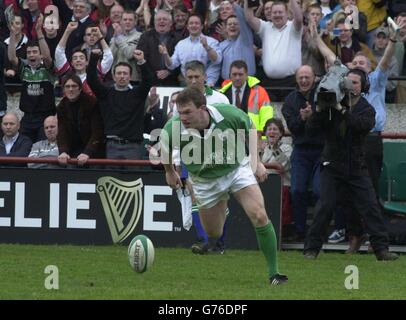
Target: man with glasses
149	43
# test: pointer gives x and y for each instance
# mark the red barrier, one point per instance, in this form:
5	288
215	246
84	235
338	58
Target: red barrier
94	162
115	162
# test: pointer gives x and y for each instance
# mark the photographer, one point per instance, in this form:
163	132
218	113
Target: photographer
343	172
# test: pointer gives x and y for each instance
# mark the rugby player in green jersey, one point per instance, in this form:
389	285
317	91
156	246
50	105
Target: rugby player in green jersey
216	170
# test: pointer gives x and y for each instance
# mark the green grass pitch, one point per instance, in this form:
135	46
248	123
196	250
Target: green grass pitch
103	272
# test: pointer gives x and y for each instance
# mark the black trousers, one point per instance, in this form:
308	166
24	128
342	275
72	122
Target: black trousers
356	190
374	158
374	162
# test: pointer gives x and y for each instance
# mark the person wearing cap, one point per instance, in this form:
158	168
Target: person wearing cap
378	49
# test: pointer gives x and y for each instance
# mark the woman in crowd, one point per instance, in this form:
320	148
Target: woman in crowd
278	153
80	133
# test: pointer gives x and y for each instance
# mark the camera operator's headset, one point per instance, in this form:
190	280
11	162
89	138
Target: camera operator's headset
365	84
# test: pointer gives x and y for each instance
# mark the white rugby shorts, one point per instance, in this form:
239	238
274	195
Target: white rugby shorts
209	191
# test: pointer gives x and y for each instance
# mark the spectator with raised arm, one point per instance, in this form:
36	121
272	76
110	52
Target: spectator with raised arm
20	42
3	96
238	44
380	44
79	58
347	45
195	47
149	43
125	41
216	30
81	12
37	97
116	12
122	107
310	53
281	43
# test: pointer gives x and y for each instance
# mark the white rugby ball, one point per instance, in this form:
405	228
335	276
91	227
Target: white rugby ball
141	253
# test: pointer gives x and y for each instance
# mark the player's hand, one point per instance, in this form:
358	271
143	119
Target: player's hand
63	158
173	179
82	159
261	173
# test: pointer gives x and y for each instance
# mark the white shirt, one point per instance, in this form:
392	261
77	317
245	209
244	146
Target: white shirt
325	10
216	97
9	142
281	49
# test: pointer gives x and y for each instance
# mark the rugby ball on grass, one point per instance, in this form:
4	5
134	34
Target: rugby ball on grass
141	253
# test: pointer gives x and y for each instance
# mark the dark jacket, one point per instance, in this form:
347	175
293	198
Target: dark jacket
122	111
20	148
345	136
297	127
76	37
3	96
89	127
148	43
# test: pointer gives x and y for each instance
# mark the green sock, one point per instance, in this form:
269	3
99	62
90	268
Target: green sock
267	244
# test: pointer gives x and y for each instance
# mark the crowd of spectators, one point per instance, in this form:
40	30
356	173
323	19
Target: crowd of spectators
106	55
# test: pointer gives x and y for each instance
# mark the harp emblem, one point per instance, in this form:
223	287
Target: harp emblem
122	205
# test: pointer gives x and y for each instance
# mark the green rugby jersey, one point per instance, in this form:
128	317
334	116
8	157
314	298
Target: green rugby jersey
219	151
37	95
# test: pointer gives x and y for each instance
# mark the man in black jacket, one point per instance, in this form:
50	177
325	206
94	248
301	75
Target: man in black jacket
122	107
149	43
3	96
13	144
305	159
343	173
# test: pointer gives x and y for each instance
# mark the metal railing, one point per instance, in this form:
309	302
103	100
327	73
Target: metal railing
95	162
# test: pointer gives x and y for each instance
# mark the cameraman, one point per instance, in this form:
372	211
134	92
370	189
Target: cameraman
376	97
343	171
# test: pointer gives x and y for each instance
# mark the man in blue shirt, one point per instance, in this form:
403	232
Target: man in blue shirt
238	44
195	47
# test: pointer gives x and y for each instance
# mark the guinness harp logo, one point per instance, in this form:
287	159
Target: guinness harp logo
122	205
